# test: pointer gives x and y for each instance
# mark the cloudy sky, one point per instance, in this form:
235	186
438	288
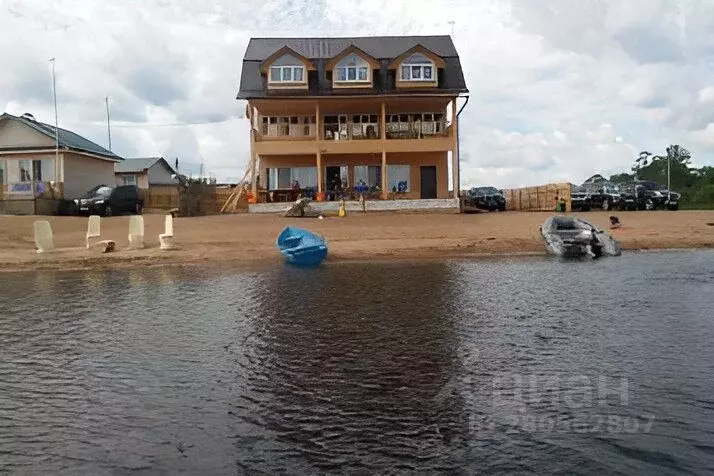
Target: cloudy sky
560	89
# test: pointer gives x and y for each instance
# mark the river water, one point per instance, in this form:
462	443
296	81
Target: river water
512	365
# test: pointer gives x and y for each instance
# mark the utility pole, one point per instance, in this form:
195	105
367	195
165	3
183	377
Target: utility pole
670	152
109	127
54	98
451	22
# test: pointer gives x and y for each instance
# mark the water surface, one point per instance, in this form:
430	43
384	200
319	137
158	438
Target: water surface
522	365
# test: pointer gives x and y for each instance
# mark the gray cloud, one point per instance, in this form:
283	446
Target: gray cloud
545	76
155	86
645	45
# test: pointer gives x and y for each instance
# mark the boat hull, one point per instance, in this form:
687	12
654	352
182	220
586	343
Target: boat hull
571	237
301	247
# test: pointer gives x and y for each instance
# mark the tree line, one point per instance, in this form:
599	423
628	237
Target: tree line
695	184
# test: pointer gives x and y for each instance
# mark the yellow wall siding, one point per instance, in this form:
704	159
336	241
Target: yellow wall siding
413	159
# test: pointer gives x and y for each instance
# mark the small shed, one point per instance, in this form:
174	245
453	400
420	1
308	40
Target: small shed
145	172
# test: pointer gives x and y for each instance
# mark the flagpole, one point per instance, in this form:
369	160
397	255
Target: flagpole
109	127
54	99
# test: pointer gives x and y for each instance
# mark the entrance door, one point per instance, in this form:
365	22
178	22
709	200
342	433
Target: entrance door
333	181
428	181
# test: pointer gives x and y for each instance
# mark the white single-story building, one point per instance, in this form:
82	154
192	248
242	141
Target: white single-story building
31	165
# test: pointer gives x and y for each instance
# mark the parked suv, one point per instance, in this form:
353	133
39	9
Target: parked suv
106	201
484	198
589	195
649	195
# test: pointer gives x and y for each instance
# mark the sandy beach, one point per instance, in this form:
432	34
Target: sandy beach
243	238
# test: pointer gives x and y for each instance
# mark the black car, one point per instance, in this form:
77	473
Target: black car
107	201
648	195
484	198
603	194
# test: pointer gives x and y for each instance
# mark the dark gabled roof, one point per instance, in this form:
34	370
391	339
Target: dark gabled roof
138	164
320	50
380	47
67	139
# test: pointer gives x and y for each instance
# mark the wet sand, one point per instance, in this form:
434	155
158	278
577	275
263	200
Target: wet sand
250	239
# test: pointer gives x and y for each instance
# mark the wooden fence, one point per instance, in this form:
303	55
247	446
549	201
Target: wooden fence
161	198
539	198
206	201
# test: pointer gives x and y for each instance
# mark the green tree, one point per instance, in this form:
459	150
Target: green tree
695	185
621	178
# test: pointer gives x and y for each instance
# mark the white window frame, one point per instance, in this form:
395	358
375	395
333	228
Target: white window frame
292	69
133	180
356	70
421	67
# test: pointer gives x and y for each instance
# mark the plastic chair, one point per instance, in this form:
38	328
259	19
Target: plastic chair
136	232
93	229
43	236
167	237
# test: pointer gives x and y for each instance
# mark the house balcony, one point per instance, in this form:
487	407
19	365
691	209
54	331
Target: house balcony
353	134
351	126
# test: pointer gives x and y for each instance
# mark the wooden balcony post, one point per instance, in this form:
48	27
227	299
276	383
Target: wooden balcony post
318	155
383	136
455	173
254	164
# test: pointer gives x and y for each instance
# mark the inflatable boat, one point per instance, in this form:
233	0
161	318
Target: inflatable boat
572	237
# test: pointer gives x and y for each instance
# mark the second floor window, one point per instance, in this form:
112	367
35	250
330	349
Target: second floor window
417	72
352	73
286	74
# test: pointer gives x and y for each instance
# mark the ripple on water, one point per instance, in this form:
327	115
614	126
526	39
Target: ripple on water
454	366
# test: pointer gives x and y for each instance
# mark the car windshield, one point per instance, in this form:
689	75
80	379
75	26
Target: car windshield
92	192
103	192
485	191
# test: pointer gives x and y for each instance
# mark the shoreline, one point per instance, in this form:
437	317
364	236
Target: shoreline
257	264
247	241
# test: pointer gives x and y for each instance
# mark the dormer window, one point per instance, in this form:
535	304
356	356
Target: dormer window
417	72
287	74
417	68
286	69
352	68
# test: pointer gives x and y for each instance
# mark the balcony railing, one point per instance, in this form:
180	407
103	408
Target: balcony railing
417	129
354	127
273	131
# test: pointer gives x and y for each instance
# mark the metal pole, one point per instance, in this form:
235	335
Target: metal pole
109	128
669	155
54	98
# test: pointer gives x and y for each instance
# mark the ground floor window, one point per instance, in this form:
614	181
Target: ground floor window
370	175
398	178
128	179
286	177
2	172
25	171
37	170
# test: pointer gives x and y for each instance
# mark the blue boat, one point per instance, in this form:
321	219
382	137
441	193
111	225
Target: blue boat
301	247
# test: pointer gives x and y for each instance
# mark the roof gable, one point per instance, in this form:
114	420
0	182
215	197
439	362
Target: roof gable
438	62
285	50
140	164
67	139
352	49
